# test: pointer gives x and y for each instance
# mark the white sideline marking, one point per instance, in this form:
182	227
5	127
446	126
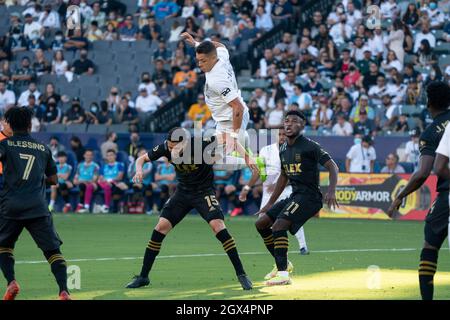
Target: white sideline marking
219	255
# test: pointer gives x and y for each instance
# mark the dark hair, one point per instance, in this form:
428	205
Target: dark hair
176	138
61	154
296	113
75	139
206	47
19	118
111	150
438	93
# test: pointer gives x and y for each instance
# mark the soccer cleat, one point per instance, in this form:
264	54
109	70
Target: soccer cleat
236	212
279	280
304	251
262	168
274	271
245	281
12	291
64	295
67	208
138	282
79	208
104	209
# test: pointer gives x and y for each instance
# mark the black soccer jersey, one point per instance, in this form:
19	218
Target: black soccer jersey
26	163
191	176
300	163
429	141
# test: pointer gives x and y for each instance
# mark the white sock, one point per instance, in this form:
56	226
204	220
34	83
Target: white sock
283	273
300	235
52	203
86	206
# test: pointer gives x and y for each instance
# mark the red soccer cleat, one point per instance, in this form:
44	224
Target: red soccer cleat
12	291
67	208
236	212
64	296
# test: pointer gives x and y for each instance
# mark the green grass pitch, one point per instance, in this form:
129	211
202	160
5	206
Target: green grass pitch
108	250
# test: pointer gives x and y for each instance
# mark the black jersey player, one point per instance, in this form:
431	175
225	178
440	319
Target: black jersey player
436	222
27	166
299	157
195	190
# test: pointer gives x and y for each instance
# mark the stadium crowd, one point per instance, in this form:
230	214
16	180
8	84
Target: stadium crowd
349	79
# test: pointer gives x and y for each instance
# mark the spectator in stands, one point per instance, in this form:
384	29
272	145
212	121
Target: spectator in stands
321	117
162	52
40	65
75	114
126	114
59	64
435	75
278	92
111	33
303	99
402	124
165	179
164	10
24	74
364	126
412	153
50	93
225	13
55	147
134	146
49	18
86	179
160	73
425	55
191	27
353	15
370	78
333	16
97	16
435	15
93	33
342	126
85	9
377	42
129	31
361	156
261	97
396	40
165	91
199	111
281	11
287	44
64	170
185	78
113	99
392	165
223	180
77	147
317	23
104	115
341	32
411	75
15	23
352	77
111	181
257	114
76	41
387	113
91	113
274	117
52	113
266	67
109	144
5	52
378	91
229	30
425	34
58	42
32	90
31	26
151	31
146	187
147	103
392	62
411	16
83	66
263	19
35	43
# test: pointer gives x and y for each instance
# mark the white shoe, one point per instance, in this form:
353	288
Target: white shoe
104	209
273	273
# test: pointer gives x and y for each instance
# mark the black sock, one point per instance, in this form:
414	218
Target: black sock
82	187
59	268
148	193
7	263
427	269
267	236
230	248
281	245
64	192
153	248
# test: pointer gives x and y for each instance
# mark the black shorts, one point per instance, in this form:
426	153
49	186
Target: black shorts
41	230
298	209
182	202
436	222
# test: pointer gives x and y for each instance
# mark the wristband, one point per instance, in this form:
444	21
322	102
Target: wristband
247	188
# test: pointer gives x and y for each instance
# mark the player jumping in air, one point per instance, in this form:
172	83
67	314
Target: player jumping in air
223	98
195	190
271	156
300	157
28	165
436	222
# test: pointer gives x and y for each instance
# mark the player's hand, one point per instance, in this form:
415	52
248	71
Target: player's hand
188	38
243	195
330	199
262	211
138	177
394	207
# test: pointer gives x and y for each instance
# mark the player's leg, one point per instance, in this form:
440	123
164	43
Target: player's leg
172	213
117	194
300	235
148	195
435	232
64	189
107	193
89	194
209	208
47	239
9	233
53	196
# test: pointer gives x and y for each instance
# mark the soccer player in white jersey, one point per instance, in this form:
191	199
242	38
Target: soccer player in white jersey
271	156
222	96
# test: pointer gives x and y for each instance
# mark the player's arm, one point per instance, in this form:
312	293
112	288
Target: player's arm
50	170
52	180
238	113
156	153
442	155
279	188
246	189
333	172
191	41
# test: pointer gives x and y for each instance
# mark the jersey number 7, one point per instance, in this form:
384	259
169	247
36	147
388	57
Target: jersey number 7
30	162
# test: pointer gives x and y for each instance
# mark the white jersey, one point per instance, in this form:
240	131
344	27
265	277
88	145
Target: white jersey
221	87
271	156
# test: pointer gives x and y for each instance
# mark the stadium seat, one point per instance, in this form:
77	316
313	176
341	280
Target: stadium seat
76	128
444	60
55	128
97	129
122	47
101	45
118	128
